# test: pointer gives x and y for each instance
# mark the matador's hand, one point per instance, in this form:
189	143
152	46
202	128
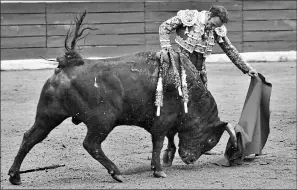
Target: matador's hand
165	54
253	73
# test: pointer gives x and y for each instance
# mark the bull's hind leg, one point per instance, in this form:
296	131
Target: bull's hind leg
92	143
49	115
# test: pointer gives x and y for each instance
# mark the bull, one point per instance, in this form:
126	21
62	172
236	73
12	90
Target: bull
107	93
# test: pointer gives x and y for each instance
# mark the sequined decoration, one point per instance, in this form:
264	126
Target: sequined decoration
188	17
166	28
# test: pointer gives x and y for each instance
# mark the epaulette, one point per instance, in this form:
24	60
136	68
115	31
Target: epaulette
221	31
188	17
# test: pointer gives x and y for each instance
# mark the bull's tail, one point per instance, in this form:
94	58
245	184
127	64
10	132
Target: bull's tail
71	57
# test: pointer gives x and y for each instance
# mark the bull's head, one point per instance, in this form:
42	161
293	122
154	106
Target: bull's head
195	142
201	128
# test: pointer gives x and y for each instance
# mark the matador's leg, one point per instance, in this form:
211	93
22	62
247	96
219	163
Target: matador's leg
203	74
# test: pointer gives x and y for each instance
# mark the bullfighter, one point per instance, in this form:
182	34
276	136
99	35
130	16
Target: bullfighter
197	33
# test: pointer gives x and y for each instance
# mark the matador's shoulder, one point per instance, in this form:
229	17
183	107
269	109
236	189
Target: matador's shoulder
221	31
188	17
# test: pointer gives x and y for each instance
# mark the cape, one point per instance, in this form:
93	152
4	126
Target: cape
253	128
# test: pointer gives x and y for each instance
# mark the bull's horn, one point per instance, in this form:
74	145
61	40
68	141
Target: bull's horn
230	129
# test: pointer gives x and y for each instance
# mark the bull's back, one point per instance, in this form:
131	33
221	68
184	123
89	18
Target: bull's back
124	90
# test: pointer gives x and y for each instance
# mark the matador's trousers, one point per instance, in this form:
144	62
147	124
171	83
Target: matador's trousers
198	61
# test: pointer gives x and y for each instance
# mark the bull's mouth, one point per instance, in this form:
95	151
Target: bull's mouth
188	158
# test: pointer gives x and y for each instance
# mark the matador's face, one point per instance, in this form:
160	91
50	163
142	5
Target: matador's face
213	22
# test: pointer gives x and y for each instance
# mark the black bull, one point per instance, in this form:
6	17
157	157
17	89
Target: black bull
107	93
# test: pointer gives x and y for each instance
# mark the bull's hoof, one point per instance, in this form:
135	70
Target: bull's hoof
160	174
15	179
118	178
168	164
168	157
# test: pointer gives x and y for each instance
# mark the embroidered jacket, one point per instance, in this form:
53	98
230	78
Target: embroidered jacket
191	37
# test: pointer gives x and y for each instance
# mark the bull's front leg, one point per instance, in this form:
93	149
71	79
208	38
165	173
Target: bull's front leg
158	140
169	153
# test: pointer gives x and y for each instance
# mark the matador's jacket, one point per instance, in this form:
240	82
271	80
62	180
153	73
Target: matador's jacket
197	43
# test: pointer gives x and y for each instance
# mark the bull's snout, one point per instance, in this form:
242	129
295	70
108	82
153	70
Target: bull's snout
187	157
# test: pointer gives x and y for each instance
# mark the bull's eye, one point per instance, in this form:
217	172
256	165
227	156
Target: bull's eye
211	140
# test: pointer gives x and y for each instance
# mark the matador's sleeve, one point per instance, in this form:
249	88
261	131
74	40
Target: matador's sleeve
165	30
230	50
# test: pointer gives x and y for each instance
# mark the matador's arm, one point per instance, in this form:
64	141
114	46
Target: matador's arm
230	50
166	28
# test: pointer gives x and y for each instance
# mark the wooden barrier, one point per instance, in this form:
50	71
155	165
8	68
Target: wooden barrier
269	25
31	30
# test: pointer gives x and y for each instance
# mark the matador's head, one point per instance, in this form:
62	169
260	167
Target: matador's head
218	15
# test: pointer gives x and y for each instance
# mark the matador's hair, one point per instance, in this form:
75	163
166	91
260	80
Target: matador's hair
220	12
